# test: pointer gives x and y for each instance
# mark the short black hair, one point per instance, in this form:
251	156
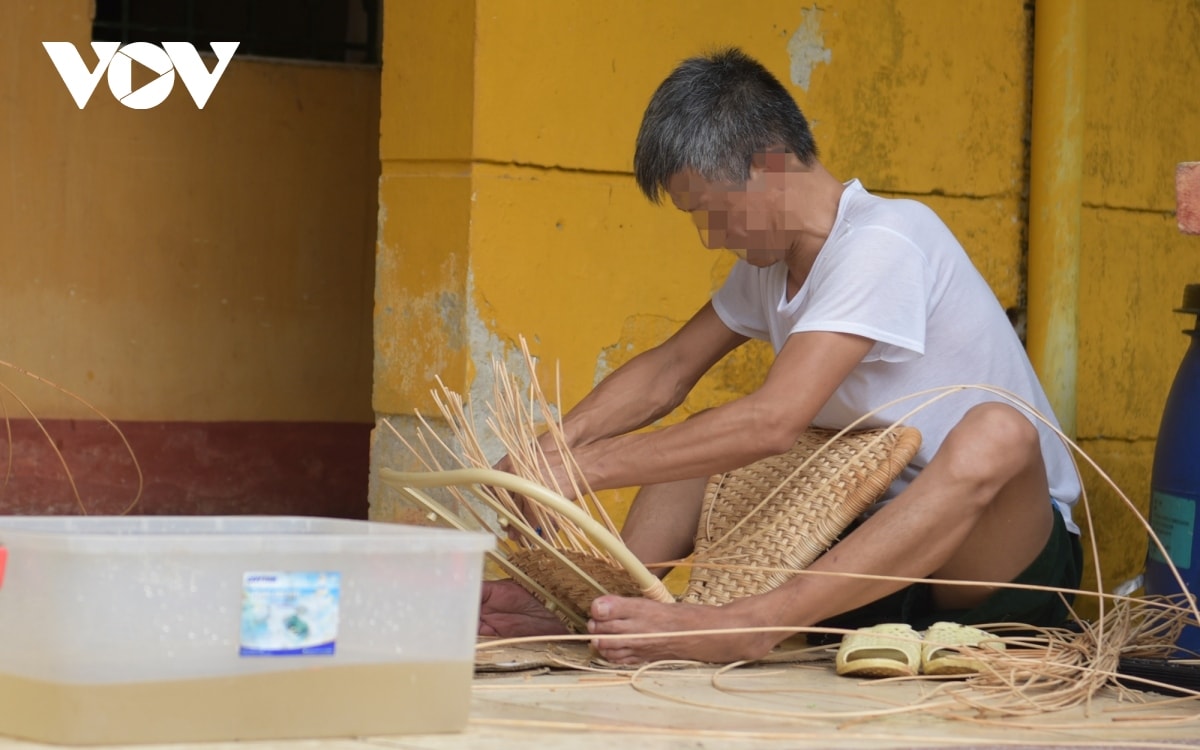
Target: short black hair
712	114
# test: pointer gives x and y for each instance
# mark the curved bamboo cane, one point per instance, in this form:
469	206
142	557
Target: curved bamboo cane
449	518
651	586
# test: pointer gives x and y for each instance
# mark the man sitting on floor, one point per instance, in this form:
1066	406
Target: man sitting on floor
865	300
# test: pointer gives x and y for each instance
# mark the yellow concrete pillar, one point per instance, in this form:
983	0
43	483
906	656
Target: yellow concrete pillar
1055	196
427	104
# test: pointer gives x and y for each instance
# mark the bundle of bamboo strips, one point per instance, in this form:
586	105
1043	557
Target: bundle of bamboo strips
565	552
1053	669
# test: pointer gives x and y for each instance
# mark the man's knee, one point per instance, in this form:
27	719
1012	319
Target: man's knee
992	443
1003	424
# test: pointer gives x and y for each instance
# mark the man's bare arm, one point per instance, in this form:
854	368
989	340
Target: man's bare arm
806	373
653	383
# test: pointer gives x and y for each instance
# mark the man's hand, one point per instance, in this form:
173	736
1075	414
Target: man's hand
555	472
505	465
550	464
509	611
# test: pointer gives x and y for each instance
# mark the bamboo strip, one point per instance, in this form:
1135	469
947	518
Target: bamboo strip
652	587
498	557
399	481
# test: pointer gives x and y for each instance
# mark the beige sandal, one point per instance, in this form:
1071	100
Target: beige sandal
888	650
950	648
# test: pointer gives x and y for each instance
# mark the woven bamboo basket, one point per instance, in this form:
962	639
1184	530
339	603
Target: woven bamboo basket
762	522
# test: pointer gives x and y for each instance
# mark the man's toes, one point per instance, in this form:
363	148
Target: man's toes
601	627
610	615
617	654
606	608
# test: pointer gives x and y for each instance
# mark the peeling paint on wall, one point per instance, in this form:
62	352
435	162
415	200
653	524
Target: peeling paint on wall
449	309
485	347
806	49
381	220
738	374
610	358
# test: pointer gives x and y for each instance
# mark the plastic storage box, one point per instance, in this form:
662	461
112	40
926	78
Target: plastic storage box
178	629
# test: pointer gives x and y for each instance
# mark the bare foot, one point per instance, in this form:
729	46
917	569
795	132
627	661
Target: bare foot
509	611
617	615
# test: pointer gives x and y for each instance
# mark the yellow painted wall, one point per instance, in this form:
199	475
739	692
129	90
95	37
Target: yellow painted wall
902	102
508	132
1142	118
507	203
184	264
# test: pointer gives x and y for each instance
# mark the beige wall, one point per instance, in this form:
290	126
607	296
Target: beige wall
185	264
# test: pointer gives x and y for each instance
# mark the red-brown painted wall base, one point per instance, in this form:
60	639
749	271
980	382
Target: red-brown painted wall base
190	468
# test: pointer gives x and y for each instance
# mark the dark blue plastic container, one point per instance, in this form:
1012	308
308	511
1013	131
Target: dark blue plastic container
1175	481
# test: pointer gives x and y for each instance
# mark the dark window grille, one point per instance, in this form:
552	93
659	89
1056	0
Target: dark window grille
327	30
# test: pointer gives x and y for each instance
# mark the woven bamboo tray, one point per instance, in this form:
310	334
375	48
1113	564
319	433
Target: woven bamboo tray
762	522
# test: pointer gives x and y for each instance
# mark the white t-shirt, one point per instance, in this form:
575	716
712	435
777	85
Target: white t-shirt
893	272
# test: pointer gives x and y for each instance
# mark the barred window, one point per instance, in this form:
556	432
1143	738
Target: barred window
327	30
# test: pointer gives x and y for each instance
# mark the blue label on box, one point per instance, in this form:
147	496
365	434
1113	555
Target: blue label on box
289	614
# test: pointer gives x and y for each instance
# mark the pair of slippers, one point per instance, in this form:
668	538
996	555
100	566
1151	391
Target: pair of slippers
896	650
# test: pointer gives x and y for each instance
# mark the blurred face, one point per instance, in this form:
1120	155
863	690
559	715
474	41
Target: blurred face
735	217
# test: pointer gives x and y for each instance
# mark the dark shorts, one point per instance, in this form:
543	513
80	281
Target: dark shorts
1059	564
